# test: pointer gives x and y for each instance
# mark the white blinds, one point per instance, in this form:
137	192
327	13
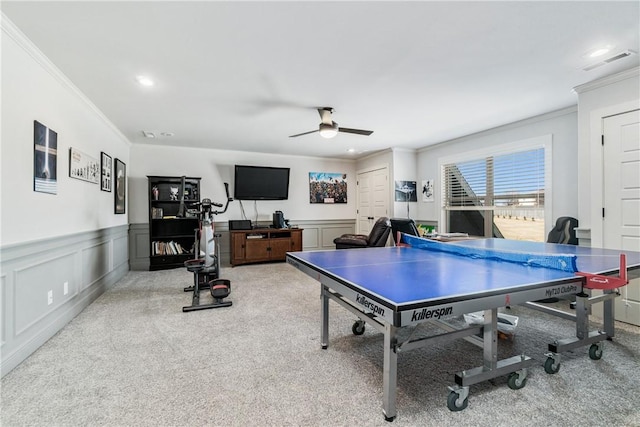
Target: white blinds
509	181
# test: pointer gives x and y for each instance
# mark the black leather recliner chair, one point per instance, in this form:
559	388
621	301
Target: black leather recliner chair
377	237
403	225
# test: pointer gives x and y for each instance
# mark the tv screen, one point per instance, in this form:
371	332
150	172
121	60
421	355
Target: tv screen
261	183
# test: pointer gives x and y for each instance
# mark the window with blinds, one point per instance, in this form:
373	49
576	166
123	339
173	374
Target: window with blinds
497	196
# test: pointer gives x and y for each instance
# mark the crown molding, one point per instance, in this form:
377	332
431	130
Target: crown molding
605	81
524	122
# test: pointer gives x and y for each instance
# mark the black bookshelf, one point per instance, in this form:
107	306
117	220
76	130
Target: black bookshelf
171	236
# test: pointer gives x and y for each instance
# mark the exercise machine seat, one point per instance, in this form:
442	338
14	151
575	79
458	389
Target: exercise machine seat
377	236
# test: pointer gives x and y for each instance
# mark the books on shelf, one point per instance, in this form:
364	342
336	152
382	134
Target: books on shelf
157	213
167	248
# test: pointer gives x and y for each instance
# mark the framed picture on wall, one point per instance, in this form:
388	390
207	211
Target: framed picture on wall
427	190
84	167
105	172
120	193
45	155
327	187
405	191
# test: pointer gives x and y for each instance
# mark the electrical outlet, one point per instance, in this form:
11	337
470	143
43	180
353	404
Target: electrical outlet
65	288
50	298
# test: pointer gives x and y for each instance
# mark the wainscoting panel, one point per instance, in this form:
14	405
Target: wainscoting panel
32	285
45	284
3	298
139	246
584	236
331	232
96	260
120	251
310	237
141	242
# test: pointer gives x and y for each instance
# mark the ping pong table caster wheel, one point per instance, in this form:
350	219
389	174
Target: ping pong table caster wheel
550	366
455	404
517	380
389	419
358	327
595	351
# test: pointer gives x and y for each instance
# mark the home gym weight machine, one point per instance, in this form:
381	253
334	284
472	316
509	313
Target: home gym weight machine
206	265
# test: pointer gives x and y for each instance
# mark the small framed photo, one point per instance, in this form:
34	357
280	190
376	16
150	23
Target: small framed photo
120	193
45	155
427	190
84	167
105	172
405	191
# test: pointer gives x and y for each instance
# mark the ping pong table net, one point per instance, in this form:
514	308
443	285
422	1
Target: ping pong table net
563	262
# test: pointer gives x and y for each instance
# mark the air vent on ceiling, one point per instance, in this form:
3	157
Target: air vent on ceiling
609	60
148	134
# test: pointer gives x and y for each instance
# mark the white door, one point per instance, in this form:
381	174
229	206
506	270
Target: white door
621	222
365	202
373	198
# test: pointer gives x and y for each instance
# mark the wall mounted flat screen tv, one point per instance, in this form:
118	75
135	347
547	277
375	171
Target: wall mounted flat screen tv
261	183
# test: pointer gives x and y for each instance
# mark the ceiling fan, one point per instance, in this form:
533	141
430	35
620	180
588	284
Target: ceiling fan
328	128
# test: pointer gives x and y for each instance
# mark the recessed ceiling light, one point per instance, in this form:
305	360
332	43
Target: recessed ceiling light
351	150
609	59
144	81
148	134
598	51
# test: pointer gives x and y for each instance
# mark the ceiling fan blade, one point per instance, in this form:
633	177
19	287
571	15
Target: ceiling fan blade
325	115
356	131
303	133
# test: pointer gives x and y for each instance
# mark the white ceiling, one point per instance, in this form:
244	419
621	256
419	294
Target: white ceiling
246	75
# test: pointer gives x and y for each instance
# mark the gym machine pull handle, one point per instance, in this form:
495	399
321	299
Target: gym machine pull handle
229	200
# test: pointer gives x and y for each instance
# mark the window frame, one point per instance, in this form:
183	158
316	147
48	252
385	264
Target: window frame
543	141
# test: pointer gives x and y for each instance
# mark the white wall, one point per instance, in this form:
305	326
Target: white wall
375	160
59	252
608	96
563	127
217	166
405	169
34	89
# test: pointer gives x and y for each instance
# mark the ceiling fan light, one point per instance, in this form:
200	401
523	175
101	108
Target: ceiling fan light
328	131
144	81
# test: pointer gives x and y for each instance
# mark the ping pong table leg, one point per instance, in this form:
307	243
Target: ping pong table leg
609	316
324	314
390	373
585	336
582	316
490	339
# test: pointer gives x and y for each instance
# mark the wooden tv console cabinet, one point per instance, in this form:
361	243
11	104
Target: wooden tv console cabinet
264	244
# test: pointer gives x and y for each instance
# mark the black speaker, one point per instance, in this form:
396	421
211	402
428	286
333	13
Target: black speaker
242	224
278	219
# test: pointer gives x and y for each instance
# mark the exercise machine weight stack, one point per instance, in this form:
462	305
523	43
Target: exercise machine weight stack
206	266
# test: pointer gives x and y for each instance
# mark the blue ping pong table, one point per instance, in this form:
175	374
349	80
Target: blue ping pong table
398	287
